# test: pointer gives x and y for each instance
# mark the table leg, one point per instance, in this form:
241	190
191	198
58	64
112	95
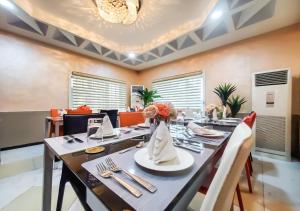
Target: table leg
57	128
47	128
47	183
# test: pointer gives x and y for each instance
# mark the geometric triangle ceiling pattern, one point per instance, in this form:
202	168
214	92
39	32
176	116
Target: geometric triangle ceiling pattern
241	13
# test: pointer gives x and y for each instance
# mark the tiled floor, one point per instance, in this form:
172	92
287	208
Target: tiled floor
276	183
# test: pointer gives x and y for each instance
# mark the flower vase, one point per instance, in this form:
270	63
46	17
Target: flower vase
210	117
224	115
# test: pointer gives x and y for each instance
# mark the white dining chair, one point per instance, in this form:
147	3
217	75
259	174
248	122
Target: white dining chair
220	194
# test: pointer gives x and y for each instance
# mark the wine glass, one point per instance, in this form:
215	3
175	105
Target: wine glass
94	131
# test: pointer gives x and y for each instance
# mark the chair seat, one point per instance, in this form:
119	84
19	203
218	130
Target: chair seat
196	202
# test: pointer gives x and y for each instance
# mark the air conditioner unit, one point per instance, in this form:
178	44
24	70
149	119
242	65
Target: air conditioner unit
135	98
271	100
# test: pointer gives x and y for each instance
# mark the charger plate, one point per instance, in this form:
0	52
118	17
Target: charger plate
183	161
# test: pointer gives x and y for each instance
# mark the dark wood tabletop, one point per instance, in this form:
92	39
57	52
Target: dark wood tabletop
73	162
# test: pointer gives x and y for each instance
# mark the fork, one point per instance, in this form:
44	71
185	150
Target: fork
106	173
145	184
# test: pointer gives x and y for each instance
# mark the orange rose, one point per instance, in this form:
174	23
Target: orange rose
163	110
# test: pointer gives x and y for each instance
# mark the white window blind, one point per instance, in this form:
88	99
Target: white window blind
183	92
97	92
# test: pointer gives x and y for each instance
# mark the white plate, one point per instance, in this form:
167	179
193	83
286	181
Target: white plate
183	161
228	120
215	134
143	125
231	118
104	136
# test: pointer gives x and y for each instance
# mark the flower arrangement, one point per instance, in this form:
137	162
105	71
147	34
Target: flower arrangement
160	112
210	108
84	108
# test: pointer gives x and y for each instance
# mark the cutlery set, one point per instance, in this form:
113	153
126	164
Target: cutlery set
70	139
109	169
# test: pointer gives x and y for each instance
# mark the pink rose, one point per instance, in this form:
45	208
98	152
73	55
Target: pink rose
150	111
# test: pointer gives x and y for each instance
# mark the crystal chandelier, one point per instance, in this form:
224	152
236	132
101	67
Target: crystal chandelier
118	11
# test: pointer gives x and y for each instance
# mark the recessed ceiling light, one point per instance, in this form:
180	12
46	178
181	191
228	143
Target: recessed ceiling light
131	55
216	14
7	4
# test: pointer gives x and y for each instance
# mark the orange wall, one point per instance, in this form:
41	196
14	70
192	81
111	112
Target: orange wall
235	63
35	76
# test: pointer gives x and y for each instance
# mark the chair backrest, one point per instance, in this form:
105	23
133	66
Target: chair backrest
221	191
113	116
54	112
131	118
78	111
250	119
74	123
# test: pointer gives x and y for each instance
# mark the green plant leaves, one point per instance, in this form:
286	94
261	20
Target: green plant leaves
235	103
148	96
224	91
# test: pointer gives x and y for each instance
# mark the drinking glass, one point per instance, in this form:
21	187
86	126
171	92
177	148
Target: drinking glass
94	131
180	128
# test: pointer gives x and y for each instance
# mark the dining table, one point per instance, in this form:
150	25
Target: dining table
175	190
56	121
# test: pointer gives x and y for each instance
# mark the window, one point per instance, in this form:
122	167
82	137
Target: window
185	91
97	92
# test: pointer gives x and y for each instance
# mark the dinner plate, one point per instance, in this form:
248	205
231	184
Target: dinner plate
104	136
183	161
228	120
215	134
143	125
231	118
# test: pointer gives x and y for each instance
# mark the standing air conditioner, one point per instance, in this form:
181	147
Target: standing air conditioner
135	99
271	100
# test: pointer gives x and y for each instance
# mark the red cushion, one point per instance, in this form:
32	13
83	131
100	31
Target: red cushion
250	119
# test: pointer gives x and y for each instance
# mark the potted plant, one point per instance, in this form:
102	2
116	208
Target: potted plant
148	96
235	103
224	91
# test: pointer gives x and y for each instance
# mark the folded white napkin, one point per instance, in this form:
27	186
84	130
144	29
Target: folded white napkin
200	130
147	122
107	128
160	147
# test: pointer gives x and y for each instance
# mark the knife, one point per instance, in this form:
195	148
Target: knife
188	147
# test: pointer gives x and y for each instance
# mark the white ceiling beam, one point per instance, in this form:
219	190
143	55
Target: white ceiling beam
69	36
251	11
27	19
84	44
210	28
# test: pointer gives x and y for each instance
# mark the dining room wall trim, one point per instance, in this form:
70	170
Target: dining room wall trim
22	128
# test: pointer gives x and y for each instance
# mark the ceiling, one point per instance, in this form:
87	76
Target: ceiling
164	31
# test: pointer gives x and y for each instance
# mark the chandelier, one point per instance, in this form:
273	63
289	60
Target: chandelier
118	11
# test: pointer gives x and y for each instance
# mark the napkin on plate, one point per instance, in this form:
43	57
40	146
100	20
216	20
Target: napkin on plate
107	128
147	122
200	130
160	147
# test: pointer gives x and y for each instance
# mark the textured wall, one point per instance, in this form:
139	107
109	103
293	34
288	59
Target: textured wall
235	63
35	77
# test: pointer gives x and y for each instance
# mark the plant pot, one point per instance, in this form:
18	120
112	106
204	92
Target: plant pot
210	117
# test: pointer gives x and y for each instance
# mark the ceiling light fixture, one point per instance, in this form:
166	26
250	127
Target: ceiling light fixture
119	11
7	4
131	55
216	15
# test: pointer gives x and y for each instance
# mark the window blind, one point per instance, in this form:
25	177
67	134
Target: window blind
183	92
96	92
